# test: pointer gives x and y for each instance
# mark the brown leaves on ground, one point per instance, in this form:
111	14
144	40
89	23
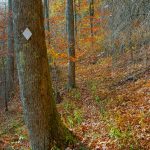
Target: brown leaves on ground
102	118
13	133
113	118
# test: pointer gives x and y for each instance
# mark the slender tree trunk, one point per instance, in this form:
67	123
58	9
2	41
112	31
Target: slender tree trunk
4	79
75	18
46	14
47	24
41	117
10	57
71	43
91	9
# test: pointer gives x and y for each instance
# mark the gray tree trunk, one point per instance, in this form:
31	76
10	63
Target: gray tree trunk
91	9
75	19
71	43
46	14
10	57
41	117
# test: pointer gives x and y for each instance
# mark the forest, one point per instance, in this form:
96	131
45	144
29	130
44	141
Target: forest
74	74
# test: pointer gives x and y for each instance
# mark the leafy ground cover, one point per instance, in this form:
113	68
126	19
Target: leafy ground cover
101	115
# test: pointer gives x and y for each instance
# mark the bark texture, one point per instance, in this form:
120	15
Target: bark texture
41	117
10	58
46	14
91	10
71	43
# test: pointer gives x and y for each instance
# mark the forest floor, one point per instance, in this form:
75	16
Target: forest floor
103	113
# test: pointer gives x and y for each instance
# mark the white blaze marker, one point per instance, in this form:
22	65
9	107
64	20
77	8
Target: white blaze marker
27	33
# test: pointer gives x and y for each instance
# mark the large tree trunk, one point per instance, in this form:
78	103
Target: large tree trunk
71	43
10	58
41	117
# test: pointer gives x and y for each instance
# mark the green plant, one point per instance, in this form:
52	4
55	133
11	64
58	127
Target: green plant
23	137
102	111
70	121
55	148
97	98
78	116
70	139
68	106
75	93
132	147
93	89
115	133
102	106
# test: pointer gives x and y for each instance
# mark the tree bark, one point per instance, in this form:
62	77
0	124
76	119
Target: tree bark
71	44
41	117
46	14
75	19
91	9
10	57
